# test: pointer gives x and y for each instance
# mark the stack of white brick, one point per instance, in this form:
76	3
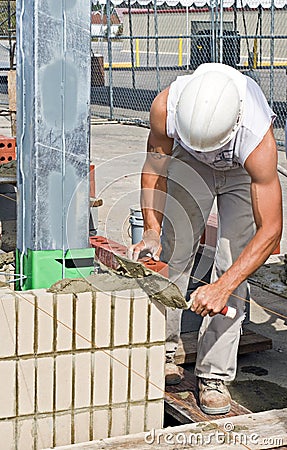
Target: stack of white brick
78	367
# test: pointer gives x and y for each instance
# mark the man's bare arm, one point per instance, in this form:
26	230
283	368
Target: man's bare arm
153	178
266	199
267	208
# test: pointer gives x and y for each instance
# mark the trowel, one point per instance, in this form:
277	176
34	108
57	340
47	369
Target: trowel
158	287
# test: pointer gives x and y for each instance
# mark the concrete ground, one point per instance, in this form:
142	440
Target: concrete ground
118	152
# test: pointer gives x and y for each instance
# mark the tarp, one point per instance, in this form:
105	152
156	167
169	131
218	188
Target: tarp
201	3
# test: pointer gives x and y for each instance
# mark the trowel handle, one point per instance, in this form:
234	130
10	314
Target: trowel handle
227	311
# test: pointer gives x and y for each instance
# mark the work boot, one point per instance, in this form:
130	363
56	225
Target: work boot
214	397
173	374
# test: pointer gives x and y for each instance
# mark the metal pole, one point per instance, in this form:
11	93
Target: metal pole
11	53
212	35
187	39
156	47
221	33
147	43
132	45
272	53
53	108
260	33
110	58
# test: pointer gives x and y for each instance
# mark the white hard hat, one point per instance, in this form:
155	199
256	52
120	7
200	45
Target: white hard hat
210	108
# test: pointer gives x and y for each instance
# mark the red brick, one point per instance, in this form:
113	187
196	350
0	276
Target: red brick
105	250
7	149
92	181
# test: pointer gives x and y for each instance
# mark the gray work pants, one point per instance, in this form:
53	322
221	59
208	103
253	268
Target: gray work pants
192	189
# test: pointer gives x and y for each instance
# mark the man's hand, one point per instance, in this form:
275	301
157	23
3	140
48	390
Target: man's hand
150	244
209	299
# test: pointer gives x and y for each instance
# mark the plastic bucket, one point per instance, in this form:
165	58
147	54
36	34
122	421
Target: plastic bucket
136	224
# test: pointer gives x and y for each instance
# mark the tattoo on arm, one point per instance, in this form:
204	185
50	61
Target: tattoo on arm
154	153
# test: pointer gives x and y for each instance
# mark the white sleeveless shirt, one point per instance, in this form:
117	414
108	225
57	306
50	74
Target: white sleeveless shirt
257	118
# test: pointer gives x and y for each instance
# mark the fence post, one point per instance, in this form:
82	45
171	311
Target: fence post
132	45
156	47
110	58
255	54
272	54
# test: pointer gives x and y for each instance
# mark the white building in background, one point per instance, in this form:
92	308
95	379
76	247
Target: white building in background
99	24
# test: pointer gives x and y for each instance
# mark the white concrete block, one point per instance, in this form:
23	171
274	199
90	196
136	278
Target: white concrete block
123	364
102	364
7	325
26	323
140	317
44	431
157	322
101	423
45	320
137	415
26	434
63	382
7	435
103	319
122	318
84	320
82	380
138	373
45	386
64	321
82	427
120	371
155	415
63	429
119	422
156	372
26	383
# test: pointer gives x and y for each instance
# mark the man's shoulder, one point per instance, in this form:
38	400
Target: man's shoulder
158	113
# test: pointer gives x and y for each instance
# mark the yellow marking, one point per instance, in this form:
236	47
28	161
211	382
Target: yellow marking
137	52
267	64
180	51
118	65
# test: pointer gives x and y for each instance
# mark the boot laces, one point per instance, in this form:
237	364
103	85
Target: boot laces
213	384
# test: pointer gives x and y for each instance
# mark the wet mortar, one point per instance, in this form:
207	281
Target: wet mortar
9	169
129	275
258	395
255	370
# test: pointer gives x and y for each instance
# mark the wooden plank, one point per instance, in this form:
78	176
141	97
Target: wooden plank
258	431
249	342
181	402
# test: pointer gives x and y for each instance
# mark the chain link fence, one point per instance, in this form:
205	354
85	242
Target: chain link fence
139	50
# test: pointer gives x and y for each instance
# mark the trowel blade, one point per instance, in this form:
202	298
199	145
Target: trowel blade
153	284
